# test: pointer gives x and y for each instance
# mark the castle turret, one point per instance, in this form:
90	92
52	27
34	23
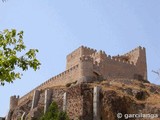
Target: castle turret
99	56
86	69
13	102
138	57
142	63
73	58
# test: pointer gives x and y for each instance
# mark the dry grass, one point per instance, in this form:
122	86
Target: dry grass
153	99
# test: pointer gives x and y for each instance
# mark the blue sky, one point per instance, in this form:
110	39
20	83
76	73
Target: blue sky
56	27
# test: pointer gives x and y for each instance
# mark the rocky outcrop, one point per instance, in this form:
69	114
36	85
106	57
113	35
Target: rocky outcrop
118	98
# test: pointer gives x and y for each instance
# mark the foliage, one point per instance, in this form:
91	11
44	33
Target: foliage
54	113
13	57
63	116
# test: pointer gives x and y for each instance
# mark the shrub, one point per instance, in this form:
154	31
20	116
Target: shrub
53	113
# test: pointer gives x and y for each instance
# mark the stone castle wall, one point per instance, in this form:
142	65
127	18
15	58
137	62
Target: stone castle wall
86	65
62	79
78	103
114	68
130	65
28	107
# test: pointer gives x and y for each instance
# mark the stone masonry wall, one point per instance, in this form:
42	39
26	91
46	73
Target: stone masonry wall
80	102
59	80
74	102
139	61
57	96
25	106
113	68
130	65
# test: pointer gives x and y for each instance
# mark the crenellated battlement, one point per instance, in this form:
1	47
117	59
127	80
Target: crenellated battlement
86	58
54	81
135	50
88	49
102	56
14	97
14	101
99	56
120	59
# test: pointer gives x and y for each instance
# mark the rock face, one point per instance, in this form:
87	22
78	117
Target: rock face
123	97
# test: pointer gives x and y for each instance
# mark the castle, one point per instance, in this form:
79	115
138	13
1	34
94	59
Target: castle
84	65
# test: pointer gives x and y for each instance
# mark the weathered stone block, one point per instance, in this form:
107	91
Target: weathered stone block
23	115
47	100
35	99
64	101
96	103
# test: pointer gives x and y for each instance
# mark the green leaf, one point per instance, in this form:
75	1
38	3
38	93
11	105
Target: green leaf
11	57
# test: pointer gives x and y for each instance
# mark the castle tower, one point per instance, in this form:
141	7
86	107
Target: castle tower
13	102
86	69
138	57
73	58
142	63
